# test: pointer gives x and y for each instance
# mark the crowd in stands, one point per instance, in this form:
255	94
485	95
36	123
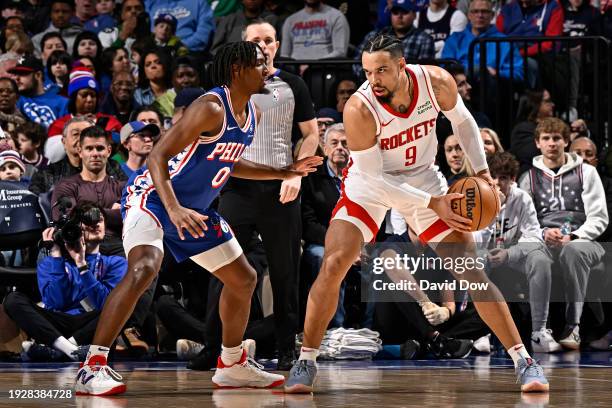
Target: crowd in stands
88	87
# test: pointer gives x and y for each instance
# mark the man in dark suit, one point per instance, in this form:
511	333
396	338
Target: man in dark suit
320	192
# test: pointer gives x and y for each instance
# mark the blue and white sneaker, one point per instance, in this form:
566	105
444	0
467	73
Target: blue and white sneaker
301	377
531	376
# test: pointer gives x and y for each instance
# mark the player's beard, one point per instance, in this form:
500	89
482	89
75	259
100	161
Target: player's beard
387	98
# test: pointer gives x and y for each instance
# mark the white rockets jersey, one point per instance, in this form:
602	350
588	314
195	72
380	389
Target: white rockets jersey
407	140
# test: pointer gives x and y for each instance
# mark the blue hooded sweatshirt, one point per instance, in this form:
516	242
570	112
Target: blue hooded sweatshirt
457	46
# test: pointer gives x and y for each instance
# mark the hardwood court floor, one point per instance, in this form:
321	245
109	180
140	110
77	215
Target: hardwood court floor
576	380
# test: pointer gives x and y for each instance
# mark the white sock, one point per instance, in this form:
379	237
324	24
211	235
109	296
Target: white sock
231	355
73	341
66	347
307	353
517	352
97	351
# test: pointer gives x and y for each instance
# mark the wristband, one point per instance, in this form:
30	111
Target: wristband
83	269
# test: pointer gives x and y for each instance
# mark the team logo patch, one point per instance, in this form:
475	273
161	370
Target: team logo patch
275	95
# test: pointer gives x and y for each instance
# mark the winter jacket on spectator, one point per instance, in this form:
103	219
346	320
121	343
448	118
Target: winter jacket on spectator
545	19
574	193
195	20
64	289
457	46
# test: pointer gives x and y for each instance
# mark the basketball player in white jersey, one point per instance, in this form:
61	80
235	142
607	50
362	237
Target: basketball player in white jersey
390	128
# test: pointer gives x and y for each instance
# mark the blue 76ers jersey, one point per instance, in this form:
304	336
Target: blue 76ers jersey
198	173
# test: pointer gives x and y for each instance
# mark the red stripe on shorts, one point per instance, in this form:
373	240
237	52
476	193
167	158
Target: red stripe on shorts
434	230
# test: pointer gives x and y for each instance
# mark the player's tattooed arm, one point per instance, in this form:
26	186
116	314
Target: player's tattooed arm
444	87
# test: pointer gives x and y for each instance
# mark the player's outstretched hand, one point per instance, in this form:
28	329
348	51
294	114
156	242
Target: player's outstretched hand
442	206
190	220
304	166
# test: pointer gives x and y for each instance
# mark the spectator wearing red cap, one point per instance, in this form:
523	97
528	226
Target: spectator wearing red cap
83	92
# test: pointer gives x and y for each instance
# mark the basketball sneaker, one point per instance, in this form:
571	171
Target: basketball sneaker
301	377
531	376
571	339
542	341
97	378
245	373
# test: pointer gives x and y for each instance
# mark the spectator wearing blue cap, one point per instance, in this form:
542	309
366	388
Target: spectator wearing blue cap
164	34
417	44
83	92
138	139
195	22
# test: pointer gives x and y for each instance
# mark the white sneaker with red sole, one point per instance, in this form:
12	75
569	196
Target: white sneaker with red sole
246	373
97	378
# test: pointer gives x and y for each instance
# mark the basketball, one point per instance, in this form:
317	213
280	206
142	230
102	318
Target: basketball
480	202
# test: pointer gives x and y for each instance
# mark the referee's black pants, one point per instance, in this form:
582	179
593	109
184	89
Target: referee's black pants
253	206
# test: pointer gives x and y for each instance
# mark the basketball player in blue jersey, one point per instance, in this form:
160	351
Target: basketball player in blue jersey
168	203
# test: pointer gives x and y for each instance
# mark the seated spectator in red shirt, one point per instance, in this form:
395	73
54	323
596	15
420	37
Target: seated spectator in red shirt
94	184
83	93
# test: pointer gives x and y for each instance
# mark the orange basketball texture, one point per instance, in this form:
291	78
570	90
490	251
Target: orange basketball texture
480	202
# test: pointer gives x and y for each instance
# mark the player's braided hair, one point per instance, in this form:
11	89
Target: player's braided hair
385	42
241	53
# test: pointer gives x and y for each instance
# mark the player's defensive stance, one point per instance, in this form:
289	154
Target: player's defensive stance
389	124
168	203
